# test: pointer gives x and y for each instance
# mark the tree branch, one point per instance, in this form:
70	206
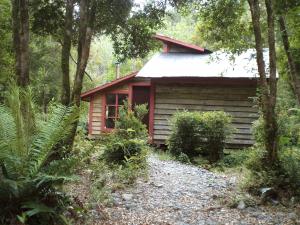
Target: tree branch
88	75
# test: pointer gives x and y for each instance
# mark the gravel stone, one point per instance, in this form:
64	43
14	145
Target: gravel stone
127	197
187	195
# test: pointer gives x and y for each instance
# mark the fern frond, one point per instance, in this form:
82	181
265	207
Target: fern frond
56	129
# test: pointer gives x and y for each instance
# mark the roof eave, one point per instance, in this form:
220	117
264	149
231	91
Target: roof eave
85	95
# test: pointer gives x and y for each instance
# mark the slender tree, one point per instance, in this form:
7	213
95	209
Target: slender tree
20	22
65	52
285	9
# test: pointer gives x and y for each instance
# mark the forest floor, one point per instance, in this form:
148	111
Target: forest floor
180	194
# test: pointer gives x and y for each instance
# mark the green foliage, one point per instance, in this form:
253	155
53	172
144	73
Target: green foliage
30	178
130	137
133	38
224	24
185	136
290	161
164	155
183	158
194	132
235	158
118	149
260	175
286	174
130	123
6	53
108	178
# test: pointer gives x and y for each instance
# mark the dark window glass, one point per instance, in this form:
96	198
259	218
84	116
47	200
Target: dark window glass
122	98
111	111
111	99
110	123
112	108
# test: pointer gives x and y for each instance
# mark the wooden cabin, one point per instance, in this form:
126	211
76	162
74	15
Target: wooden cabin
182	76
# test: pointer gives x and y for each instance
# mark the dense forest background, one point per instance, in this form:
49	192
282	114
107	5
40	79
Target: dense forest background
52	51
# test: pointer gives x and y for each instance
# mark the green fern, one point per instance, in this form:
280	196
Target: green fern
28	173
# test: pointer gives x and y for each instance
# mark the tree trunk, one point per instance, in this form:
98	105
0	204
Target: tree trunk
20	21
268	91
294	72
86	23
87	17
66	48
272	126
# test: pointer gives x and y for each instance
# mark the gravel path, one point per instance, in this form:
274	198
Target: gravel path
181	194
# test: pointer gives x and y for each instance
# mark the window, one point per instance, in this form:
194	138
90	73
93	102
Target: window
113	103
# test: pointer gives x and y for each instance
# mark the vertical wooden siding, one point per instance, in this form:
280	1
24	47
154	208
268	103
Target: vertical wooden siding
96	114
234	100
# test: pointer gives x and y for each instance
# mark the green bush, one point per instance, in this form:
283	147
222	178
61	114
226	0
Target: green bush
235	158
215	132
30	178
129	138
286	174
290	163
186	134
131	121
195	132
118	149
183	158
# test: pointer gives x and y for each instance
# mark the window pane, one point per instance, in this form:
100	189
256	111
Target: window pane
110	123
122	98
110	111
111	99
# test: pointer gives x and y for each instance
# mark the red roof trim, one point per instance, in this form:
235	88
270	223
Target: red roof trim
180	43
107	85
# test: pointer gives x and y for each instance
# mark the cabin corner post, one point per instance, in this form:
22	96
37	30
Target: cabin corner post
91	109
130	96
151	111
103	98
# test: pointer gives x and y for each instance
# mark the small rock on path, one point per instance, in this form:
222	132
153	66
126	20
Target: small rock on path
179	194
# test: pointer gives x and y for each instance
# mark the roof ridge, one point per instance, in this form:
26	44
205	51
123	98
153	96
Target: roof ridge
167	39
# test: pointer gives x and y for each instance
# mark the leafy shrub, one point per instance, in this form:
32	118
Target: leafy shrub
132	121
183	158
30	178
119	149
287	172
216	129
193	132
186	134
130	137
290	162
235	158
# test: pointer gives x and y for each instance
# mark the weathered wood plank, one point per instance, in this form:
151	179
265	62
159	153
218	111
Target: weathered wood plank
96	128
160	120
234	114
163	120
204	90
96	119
96	132
167	130
97	110
207	108
199	96
204	102
96	124
97	114
97	105
239	135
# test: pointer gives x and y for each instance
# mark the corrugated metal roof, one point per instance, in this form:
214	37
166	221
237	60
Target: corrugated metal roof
217	64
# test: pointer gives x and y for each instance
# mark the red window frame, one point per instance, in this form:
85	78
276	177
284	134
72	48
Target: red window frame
116	105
